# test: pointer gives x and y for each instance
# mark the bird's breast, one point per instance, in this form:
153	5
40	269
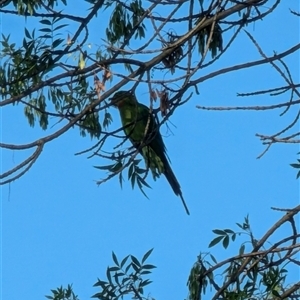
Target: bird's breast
128	115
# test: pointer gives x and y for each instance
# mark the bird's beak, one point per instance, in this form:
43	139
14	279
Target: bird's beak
113	101
116	101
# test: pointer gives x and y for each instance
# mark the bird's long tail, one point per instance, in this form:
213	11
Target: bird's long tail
174	184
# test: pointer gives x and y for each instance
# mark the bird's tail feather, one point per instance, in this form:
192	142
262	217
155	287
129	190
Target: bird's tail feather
174	184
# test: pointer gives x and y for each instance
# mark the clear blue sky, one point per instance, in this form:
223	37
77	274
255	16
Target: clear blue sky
58	227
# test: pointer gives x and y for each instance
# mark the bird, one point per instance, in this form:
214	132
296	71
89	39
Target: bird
141	128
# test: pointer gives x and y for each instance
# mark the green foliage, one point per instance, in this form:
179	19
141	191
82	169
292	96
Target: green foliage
226	234
258	273
107	120
50	72
37	109
49	32
137	175
173	59
53	70
116	167
91	125
124	20
126	277
63	294
30	7
26	67
214	40
297	166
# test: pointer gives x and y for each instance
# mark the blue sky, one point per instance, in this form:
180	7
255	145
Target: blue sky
59	227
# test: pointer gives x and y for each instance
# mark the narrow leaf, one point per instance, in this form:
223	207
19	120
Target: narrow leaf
213	259
108	275
215	241
45	22
226	242
147	255
297	166
148	267
135	261
108	167
45	30
115	259
124	261
242	250
219	232
27	34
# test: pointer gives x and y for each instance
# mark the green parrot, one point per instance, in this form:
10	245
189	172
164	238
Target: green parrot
142	130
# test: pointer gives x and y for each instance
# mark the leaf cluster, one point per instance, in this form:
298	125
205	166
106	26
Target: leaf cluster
126	277
297	166
256	272
123	21
136	174
29	7
63	294
211	37
55	74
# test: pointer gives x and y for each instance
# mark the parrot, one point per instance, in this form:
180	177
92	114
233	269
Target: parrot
141	128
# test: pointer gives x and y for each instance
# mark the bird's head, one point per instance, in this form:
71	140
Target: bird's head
123	98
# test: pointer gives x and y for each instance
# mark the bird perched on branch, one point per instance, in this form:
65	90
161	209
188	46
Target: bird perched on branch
142	130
